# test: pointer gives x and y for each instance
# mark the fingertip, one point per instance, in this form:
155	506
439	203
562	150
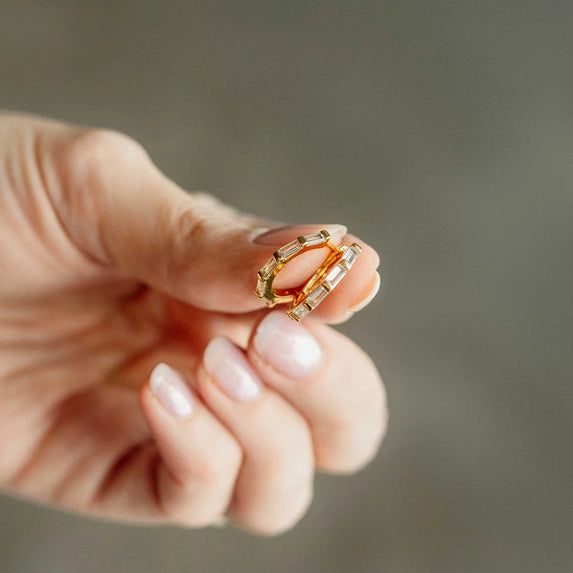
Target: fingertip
372	291
170	389
355	291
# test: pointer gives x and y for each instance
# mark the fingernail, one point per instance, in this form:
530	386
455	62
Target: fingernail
287	346
373	292
285	234
229	368
171	390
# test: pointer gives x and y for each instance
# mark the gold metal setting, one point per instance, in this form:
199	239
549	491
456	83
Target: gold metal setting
306	298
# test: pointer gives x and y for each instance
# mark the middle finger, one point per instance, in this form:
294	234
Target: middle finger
274	486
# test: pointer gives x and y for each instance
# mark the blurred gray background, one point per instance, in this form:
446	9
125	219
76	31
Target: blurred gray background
439	131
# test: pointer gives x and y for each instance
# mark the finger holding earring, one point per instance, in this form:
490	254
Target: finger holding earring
308	296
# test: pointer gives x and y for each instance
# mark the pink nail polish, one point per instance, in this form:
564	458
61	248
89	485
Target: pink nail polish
229	368
169	387
287	346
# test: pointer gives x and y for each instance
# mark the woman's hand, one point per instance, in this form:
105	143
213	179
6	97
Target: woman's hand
107	269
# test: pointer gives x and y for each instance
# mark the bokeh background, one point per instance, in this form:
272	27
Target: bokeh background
439	131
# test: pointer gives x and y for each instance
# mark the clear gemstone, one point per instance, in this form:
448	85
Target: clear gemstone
316	296
261	287
316	239
269	268
298	312
350	255
289	250
335	275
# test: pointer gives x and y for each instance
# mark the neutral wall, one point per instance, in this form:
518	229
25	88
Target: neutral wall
439	131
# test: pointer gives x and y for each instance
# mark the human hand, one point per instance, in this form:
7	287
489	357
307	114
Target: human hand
108	269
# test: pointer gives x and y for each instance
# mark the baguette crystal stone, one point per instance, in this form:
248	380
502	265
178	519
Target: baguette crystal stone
351	254
261	287
316	239
289	250
269	268
335	276
316	296
298	312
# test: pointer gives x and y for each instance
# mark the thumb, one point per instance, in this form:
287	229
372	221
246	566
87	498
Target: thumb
123	212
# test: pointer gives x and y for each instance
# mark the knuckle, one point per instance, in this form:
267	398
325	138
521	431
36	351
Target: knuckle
88	154
194	221
92	166
285	520
192	228
366	447
203	490
286	459
379	420
352	438
365	405
221	462
287	446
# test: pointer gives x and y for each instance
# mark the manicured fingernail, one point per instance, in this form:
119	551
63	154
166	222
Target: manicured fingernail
285	234
287	346
229	368
364	302
171	390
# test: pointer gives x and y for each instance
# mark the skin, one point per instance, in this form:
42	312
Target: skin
109	268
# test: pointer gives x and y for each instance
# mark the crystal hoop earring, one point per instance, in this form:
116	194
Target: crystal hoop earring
306	298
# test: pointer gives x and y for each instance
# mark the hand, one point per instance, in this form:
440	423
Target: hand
108	269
